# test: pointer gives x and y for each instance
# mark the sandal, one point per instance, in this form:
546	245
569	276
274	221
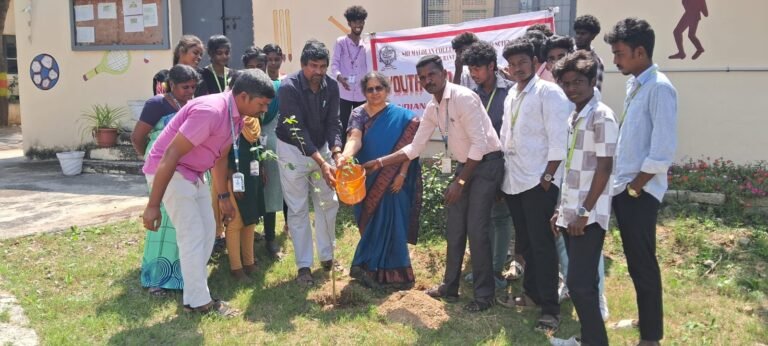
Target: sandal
305	278
217	307
478	305
548	324
157	292
438	293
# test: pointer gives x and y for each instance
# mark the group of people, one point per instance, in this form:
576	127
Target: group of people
531	145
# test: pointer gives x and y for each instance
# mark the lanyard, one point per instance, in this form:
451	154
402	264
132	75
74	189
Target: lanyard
445	134
490	100
629	100
216	78
178	105
517	112
235	140
572	146
359	49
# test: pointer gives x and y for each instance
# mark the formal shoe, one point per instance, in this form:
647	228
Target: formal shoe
250	269
438	292
240	275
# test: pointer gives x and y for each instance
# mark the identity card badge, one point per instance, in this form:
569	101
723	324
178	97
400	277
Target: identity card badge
263	140
445	165
238	182
351	79
255	168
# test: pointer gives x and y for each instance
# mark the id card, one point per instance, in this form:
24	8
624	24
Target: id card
445	165
254	168
351	79
263	140
238	182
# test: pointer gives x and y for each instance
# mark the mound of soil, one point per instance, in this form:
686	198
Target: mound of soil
414	308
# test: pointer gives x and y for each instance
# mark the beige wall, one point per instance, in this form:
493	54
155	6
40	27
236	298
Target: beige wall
720	113
51	118
310	20
10	21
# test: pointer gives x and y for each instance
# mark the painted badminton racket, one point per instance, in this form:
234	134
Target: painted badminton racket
113	62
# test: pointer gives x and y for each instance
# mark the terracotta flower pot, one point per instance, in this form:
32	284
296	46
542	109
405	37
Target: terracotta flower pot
105	138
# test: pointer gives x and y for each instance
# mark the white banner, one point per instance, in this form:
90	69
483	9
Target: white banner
395	53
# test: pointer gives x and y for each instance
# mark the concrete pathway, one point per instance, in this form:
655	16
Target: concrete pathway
14	325
37	198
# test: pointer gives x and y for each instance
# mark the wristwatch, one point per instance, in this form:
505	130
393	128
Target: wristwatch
582	212
547	177
632	192
223	196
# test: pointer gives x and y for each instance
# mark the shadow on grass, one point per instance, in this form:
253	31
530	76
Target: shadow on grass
180	331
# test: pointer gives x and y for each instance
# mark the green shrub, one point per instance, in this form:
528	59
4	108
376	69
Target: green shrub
433	218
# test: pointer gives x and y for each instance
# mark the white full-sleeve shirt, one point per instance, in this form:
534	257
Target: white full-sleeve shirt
537	136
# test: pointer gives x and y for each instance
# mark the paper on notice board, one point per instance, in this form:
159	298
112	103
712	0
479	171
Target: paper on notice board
150	15
134	23
131	7
107	10
83	13
85	34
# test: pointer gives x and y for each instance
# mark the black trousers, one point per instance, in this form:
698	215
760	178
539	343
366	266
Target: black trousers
531	211
270	220
636	218
470	217
583	258
345	109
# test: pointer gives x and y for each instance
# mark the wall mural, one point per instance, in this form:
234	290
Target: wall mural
113	62
693	9
44	71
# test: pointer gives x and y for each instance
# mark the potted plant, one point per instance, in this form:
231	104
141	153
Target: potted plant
103	122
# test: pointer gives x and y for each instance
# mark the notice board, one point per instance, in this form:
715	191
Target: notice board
119	24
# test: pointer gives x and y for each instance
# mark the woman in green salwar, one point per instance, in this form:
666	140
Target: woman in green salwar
160	268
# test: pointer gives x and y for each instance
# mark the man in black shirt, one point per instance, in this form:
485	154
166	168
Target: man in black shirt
309	139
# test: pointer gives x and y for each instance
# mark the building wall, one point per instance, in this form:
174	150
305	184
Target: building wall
10	21
51	118
307	21
721	113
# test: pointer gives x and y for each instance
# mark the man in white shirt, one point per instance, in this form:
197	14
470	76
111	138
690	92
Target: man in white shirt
469	138
533	136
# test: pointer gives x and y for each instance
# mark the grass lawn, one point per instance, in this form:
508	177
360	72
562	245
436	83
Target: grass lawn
82	287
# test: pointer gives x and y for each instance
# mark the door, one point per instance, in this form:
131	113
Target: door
231	18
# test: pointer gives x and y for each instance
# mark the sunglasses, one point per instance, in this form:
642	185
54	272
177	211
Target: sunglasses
375	89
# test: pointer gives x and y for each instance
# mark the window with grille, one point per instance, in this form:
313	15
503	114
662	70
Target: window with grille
473	2
436	3
10	53
437	17
474	14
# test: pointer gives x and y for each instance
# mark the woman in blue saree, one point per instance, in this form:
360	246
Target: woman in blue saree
388	217
160	268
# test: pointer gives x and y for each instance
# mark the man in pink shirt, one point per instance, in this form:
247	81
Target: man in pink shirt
197	139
